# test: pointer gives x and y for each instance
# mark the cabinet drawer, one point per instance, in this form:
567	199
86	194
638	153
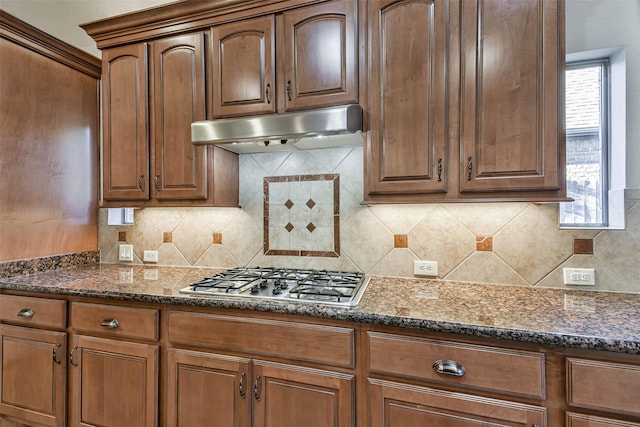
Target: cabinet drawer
33	311
580	420
603	385
298	341
489	368
126	322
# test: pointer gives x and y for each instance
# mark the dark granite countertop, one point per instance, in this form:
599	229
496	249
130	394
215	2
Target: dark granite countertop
575	319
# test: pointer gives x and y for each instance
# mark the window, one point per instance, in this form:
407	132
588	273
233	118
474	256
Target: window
595	87
587	109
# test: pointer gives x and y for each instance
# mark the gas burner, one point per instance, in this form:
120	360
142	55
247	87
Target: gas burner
284	284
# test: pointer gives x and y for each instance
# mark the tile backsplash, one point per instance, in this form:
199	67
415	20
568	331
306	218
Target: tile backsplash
501	243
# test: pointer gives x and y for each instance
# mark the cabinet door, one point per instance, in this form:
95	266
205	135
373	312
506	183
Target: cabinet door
408	96
582	420
287	395
33	375
320	55
180	168
511	64
400	405
126	139
202	384
243	63
112	383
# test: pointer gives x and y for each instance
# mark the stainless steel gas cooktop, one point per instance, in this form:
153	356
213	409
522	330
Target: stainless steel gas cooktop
284	284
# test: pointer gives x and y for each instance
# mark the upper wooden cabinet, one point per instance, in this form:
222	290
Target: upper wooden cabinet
511	70
313	52
178	82
124	111
320	62
243	62
469	106
149	158
408	105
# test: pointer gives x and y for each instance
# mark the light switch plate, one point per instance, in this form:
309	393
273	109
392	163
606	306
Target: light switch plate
125	253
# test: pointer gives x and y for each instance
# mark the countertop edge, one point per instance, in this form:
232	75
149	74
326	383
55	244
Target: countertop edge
353	314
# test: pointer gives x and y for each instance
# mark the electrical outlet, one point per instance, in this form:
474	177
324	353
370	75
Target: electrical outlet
425	268
125	253
579	276
150	256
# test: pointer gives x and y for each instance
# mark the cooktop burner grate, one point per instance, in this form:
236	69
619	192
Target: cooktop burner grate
285	284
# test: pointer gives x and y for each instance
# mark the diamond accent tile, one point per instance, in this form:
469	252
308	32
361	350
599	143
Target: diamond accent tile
301	215
484	243
400	241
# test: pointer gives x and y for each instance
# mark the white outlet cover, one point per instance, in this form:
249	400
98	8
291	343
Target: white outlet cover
579	276
425	268
150	256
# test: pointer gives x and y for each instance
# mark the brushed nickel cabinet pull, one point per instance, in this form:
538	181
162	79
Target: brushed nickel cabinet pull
73	362
110	323
26	312
268	93
243	394
256	387
54	356
140	183
448	367
469	168
289	89
439	170
155	181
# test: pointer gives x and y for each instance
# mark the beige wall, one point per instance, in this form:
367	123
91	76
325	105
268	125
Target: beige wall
526	246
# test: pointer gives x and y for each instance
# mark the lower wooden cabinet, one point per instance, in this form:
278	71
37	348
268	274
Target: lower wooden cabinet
33	377
112	383
104	367
245	392
287	395
201	384
403	405
581	420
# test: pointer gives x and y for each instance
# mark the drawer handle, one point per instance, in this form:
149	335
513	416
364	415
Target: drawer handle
54	356
243	376
256	388
110	323
289	90
25	312
449	367
268	93
71	356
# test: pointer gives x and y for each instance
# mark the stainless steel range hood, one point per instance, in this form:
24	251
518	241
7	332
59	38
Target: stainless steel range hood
281	131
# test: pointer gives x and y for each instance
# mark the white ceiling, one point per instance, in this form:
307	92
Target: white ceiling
61	18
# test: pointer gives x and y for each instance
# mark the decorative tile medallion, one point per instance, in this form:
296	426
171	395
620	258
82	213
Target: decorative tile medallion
302	215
